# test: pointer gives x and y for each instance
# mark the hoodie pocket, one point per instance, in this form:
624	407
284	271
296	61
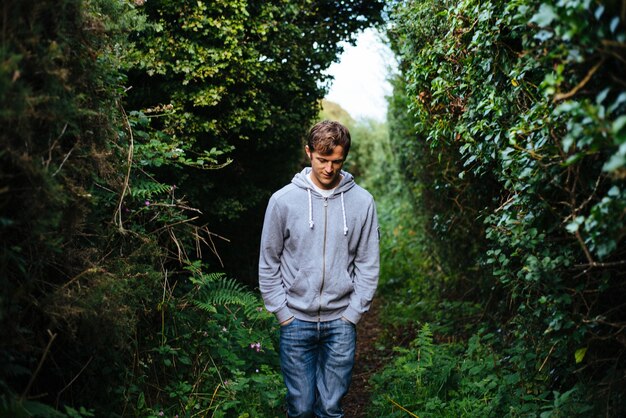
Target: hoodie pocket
339	290
303	292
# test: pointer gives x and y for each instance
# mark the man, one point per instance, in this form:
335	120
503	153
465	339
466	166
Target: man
318	272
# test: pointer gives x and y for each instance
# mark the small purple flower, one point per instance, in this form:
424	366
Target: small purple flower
147	203
161	413
256	346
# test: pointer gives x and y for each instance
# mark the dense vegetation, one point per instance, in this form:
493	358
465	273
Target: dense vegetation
508	123
141	140
137	139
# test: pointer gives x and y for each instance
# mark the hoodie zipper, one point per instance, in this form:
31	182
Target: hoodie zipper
319	311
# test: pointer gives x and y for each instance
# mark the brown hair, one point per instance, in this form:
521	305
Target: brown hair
324	136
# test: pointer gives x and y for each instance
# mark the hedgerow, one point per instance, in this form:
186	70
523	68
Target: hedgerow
118	118
513	150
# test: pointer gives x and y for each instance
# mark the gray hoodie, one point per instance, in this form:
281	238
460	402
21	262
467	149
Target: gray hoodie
319	256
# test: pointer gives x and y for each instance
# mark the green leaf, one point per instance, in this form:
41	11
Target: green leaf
618	125
575	224
544	16
616	161
579	355
39	409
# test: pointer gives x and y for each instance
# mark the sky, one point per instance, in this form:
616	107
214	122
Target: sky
360	84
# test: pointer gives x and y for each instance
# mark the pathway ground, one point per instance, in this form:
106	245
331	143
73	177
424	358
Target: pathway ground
369	360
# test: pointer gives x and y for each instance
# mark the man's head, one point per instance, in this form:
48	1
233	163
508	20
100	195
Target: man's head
326	135
327	146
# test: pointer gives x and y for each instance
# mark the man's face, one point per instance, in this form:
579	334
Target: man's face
326	169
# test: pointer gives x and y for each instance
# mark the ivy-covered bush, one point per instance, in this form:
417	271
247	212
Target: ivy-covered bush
516	160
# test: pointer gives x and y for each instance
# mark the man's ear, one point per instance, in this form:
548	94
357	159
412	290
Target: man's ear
308	152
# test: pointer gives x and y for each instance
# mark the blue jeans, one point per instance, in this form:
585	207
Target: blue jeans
316	360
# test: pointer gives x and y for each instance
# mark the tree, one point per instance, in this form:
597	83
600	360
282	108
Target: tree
240	82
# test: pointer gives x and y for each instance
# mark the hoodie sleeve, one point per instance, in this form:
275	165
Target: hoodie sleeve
270	279
367	265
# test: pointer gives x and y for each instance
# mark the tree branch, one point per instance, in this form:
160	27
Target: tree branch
584	81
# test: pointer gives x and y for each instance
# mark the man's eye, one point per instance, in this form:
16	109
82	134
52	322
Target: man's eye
337	162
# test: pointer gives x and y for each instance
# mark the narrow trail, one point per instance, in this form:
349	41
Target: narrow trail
368	361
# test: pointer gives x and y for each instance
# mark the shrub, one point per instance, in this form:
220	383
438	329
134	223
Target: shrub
512	153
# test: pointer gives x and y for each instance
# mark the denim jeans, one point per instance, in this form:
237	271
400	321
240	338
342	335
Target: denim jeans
316	361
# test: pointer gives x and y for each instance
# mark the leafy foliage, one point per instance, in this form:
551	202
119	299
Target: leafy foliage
214	354
511	155
481	379
118	120
59	86
235	84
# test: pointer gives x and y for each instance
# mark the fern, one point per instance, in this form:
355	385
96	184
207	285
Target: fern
200	279
218	290
424	344
148	188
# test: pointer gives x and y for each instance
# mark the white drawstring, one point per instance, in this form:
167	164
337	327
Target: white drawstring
310	210
343	211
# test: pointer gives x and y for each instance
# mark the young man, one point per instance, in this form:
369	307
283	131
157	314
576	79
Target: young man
318	272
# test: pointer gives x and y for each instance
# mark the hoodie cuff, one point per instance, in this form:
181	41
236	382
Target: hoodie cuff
352	315
283	314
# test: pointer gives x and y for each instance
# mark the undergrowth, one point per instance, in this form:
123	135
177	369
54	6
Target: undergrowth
474	378
215	355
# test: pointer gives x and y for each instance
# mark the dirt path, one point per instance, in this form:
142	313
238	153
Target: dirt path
368	361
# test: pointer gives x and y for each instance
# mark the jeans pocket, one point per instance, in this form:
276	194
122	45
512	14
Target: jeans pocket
288	322
344	319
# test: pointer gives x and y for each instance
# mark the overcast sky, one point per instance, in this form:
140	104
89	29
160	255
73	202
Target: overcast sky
360	84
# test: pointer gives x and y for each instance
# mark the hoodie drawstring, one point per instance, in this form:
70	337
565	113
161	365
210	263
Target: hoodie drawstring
343	211
310	210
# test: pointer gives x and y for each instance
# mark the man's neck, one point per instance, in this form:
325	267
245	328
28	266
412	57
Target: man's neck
323	192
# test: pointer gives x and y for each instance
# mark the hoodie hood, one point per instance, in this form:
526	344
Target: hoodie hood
301	180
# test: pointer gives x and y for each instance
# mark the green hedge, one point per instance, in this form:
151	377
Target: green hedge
517	159
115	116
